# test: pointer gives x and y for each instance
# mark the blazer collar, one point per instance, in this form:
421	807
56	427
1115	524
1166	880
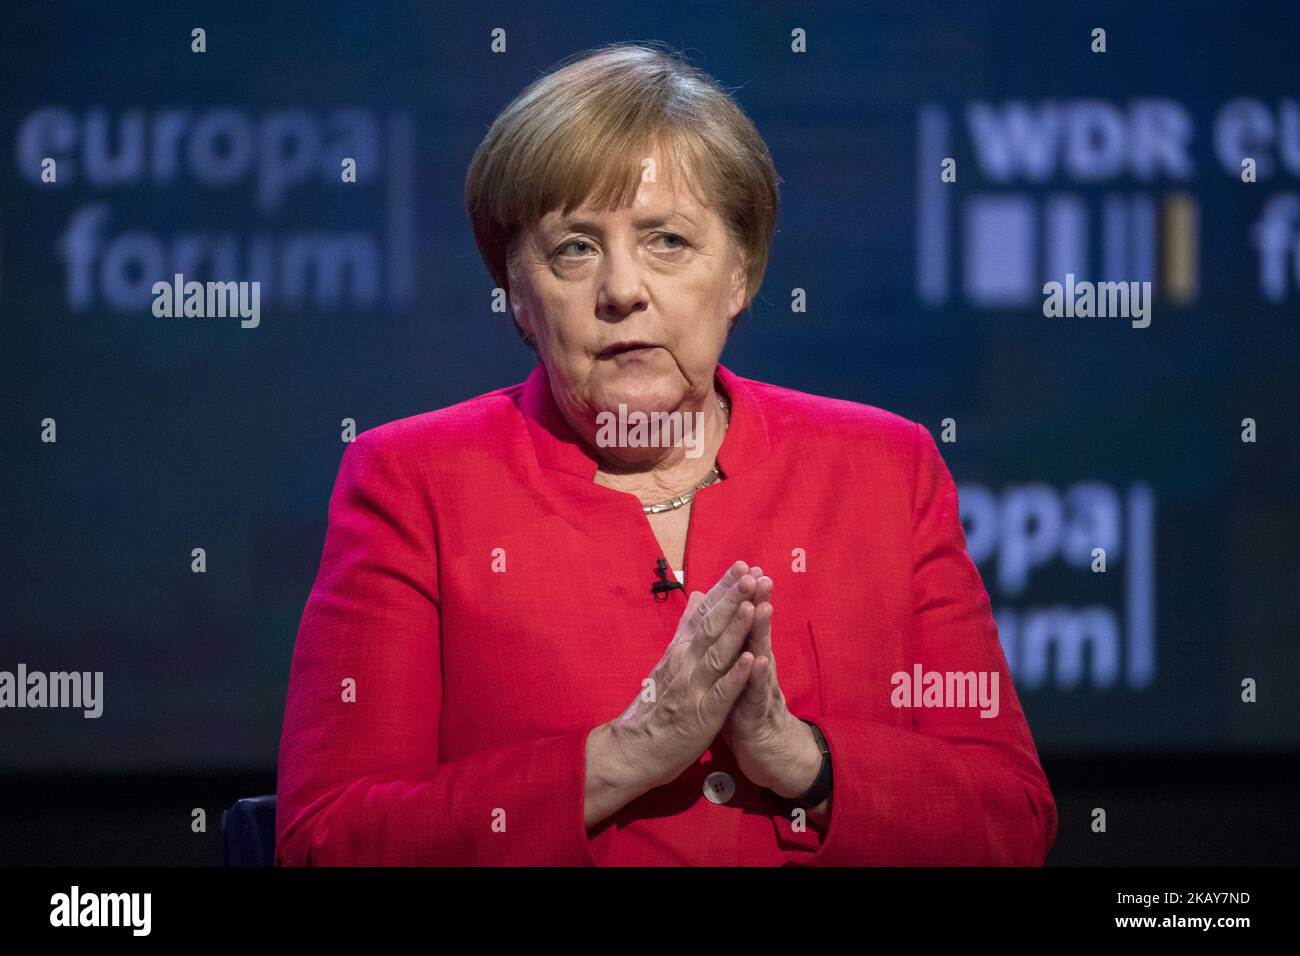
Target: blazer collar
559	448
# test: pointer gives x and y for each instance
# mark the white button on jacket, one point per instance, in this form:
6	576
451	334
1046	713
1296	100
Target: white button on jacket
719	787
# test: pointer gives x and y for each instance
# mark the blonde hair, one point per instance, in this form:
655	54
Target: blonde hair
579	133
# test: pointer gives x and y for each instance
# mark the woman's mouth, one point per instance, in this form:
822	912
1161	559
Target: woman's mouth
624	348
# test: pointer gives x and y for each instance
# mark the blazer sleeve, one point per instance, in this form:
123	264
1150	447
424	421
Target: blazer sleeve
360	781
954	789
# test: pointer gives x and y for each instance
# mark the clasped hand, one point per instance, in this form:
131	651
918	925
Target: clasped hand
718	675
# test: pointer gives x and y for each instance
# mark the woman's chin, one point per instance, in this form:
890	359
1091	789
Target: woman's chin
639	392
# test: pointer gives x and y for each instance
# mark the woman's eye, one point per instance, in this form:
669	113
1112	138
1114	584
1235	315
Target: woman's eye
581	247
571	242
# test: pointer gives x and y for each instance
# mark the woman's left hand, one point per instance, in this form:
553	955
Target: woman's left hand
773	748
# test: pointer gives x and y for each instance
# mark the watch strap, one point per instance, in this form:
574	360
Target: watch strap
821	786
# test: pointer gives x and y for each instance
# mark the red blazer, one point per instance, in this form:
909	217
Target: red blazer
490	604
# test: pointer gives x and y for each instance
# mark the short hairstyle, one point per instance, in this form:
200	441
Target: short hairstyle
579	133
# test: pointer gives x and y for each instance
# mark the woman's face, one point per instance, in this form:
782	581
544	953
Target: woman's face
661	274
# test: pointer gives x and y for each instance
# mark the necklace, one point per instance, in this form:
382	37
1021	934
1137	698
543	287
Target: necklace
685	498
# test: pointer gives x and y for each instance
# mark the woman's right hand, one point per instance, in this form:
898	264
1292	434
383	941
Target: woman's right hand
693	687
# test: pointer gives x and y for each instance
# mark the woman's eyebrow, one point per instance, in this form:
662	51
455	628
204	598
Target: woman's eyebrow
644	222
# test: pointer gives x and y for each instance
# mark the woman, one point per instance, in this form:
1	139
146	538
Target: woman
544	634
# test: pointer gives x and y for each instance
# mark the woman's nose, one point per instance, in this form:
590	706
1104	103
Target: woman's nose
622	285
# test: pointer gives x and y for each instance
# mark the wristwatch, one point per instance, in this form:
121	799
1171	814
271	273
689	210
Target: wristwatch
821	787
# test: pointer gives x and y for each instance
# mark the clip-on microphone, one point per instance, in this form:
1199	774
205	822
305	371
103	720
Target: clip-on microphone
661	587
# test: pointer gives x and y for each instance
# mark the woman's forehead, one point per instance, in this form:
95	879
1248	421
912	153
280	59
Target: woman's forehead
656	203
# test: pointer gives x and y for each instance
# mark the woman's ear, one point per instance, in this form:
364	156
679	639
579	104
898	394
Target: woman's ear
739	285
519	312
529	339
519	316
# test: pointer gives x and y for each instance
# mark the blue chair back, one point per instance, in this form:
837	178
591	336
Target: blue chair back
248	832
